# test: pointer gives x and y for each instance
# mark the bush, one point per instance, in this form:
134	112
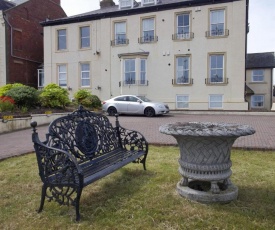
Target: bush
6	104
24	96
4	89
85	98
53	96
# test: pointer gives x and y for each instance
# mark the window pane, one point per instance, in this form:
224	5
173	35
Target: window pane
182	70
61	39
142	71
182	101
215	101
85	74
129	71
85	36
217	22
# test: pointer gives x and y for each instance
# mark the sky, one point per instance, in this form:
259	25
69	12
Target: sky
261	37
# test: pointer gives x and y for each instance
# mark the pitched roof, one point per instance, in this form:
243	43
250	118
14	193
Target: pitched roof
114	11
260	60
4	5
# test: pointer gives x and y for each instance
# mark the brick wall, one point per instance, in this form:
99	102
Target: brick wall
25	38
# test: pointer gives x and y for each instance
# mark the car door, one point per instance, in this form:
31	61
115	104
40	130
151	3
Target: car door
121	104
134	105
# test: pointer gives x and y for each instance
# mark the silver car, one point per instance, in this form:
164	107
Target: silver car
130	104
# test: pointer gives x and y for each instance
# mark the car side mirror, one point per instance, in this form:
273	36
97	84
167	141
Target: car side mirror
140	101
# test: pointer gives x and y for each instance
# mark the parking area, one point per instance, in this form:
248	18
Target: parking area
19	142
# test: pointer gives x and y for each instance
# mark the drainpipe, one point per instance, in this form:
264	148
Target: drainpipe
247	31
14	56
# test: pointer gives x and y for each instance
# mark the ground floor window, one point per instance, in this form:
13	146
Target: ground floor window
257	101
62	75
216	101
85	74
41	78
135	71
182	101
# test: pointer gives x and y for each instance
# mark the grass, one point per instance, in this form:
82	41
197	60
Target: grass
132	198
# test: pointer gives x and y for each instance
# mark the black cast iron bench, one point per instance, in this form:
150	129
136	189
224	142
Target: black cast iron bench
81	148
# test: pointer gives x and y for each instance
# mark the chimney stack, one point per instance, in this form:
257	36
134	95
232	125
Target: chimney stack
106	3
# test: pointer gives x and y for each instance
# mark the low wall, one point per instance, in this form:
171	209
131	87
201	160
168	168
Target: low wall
12	124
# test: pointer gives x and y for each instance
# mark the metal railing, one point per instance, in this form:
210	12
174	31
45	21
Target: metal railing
183	81
134	82
122	41
183	36
216	81
217	33
148	39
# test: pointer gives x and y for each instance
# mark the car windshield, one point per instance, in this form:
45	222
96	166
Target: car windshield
144	98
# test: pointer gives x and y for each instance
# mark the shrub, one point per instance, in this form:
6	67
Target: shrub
85	98
4	89
6	104
23	96
53	96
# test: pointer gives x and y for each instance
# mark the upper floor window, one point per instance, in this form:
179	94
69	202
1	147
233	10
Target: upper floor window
148	30
216	68
85	37
183	26
62	75
216	101
182	70
120	34
258	75
61	39
257	101
125	3
85	74
217	24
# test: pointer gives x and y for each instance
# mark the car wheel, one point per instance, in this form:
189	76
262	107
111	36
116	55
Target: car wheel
149	112
112	111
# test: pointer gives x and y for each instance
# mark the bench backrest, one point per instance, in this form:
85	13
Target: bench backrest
83	133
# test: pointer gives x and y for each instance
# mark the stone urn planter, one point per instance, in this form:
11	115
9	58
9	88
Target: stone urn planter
205	163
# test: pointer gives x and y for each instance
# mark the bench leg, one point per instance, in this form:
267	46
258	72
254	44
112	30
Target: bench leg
143	161
43	195
77	200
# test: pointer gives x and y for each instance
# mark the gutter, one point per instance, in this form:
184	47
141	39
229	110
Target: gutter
11	35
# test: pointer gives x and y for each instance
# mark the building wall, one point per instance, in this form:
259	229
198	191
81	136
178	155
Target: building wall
25	38
2	51
106	66
261	88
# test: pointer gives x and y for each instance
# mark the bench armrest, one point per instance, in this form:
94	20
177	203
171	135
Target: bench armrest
57	166
132	140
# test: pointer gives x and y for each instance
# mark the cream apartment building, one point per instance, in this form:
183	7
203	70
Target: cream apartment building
188	54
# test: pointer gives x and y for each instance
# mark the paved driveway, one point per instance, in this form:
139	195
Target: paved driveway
17	143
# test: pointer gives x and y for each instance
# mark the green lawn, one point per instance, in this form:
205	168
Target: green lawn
132	198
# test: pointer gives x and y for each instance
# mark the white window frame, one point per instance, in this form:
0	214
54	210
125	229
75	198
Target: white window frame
60	38
87	39
216	69
215	102
41	78
217	22
125	3
143	72
144	30
183	35
148	2
259	99
61	73
122	41
182	70
256	77
182	99
84	72
131	71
